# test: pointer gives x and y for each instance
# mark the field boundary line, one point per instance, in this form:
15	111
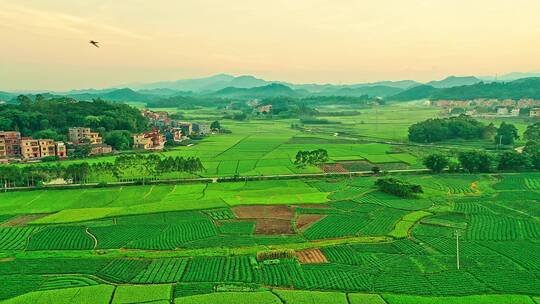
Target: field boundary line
149	192
113	294
232	147
278	296
87	230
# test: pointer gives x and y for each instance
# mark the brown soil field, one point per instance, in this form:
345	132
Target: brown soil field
22	220
264	212
273	226
311	256
330	168
304	220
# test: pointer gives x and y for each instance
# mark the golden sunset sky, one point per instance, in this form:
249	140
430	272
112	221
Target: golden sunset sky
44	43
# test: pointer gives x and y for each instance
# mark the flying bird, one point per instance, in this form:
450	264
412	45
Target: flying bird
94	43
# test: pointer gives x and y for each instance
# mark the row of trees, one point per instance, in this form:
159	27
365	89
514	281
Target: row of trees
481	161
314	157
125	166
461	127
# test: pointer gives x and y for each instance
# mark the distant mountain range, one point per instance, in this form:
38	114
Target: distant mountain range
517	89
228	86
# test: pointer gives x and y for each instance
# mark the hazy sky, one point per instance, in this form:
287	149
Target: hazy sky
44	43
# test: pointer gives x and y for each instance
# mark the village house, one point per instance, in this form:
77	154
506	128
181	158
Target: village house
534	112
514	112
76	136
10	143
100	149
186	127
61	150
502	111
173	134
47	147
201	128
152	140
30	148
264	109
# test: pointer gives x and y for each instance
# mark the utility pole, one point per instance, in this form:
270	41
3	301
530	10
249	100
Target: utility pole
500	142
457	249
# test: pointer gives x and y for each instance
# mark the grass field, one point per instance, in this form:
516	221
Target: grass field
198	243
326	240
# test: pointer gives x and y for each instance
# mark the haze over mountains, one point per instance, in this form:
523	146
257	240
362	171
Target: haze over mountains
228	86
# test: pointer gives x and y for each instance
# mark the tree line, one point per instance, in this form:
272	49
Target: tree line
138	166
481	161
461	127
51	117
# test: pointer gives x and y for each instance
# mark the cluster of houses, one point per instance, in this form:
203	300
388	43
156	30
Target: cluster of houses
14	146
500	108
166	129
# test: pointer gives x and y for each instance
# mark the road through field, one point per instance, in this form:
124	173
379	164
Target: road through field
221	179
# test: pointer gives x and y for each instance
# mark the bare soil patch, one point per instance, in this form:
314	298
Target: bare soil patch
264	212
273	226
333	168
22	220
311	256
305	220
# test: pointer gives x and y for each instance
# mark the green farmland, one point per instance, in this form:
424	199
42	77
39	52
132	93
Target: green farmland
337	240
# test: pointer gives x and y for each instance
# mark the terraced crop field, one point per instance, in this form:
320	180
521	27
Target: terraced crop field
346	242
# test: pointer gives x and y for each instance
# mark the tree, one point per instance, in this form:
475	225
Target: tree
49	134
119	139
436	162
314	157
489	132
533	132
475	161
532	149
82	150
512	160
506	134
215	125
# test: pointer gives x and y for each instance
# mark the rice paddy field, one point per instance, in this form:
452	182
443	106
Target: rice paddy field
328	240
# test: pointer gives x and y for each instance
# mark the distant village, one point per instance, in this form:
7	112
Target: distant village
489	108
14	147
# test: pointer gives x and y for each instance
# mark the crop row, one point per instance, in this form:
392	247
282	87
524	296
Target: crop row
61	238
501	228
162	271
15	238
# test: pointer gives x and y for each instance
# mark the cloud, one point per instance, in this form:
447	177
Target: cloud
53	23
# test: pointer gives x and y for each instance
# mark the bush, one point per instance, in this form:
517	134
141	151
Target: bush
398	187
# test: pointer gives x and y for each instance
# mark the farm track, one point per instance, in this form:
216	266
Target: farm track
93	237
223	179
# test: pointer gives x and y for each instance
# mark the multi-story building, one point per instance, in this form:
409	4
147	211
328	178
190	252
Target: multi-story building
173	134
10	143
30	148
76	136
187	128
149	140
99	149
534	112
201	129
61	150
47	147
142	142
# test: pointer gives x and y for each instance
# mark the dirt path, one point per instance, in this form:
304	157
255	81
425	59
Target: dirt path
92	236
